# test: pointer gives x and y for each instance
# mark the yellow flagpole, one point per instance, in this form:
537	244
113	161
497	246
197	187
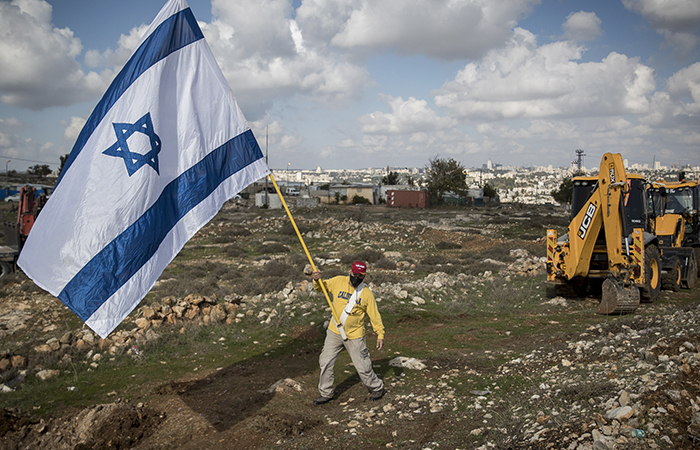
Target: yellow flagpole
306	250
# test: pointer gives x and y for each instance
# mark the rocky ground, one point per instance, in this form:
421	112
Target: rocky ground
614	383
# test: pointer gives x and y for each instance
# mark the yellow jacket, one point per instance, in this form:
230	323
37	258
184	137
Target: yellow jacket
339	289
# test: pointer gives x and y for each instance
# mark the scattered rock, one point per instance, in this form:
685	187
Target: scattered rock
407	363
47	373
283	385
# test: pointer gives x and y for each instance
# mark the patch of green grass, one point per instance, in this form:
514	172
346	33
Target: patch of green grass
230	234
271	248
197	252
197	349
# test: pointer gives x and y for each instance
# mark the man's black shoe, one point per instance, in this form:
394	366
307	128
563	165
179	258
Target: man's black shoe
321	400
377	395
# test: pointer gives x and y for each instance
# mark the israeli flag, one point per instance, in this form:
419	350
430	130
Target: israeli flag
163	150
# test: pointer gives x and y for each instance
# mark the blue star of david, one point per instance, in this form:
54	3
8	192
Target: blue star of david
120	149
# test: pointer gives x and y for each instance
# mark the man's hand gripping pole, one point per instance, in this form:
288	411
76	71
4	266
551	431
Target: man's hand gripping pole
311	261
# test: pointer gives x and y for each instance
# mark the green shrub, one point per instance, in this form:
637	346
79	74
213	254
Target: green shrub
380	277
277	269
235	251
384	263
184	286
332	271
433	260
359	200
478	268
298	260
288	229
229	234
273	247
369	256
247	286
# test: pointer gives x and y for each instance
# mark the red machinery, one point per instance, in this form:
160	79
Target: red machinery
16	233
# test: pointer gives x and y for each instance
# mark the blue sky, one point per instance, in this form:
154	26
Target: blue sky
373	83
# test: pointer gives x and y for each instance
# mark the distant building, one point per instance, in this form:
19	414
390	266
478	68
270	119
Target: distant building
368	191
407	199
383	189
348	191
273	200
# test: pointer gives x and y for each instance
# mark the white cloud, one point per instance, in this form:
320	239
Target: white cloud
582	26
683	43
673	15
259	28
411	134
278	141
686	82
684	87
113	60
39	67
677	20
266	56
523	80
445	29
73	129
13	145
323	19
407	117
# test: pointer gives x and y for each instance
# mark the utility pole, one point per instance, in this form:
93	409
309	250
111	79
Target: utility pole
579	160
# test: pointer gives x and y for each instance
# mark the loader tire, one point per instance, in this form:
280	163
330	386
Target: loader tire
575	288
579	286
671	280
652	274
692	272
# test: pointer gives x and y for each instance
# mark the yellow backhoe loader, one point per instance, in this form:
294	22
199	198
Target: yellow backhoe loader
675	223
608	243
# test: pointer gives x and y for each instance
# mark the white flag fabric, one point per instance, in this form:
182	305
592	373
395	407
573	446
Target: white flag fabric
163	150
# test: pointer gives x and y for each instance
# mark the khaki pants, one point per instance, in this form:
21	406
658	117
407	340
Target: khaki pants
357	349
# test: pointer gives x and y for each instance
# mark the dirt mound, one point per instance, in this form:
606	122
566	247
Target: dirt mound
305	333
284	425
109	426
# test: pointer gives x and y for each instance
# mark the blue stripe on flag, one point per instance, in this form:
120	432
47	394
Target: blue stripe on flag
112	267
178	31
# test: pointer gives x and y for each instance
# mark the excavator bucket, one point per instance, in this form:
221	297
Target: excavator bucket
618	299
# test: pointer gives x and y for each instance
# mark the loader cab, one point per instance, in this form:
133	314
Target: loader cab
582	188
679	200
683	198
656	198
635	204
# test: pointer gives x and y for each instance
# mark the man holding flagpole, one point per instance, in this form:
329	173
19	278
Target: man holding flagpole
354	302
163	150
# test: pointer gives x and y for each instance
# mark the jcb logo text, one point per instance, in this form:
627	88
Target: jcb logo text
587	219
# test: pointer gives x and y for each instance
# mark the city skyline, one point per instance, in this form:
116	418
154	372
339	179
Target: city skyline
354	83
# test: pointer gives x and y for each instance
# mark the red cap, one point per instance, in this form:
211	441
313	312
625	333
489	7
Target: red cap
359	268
